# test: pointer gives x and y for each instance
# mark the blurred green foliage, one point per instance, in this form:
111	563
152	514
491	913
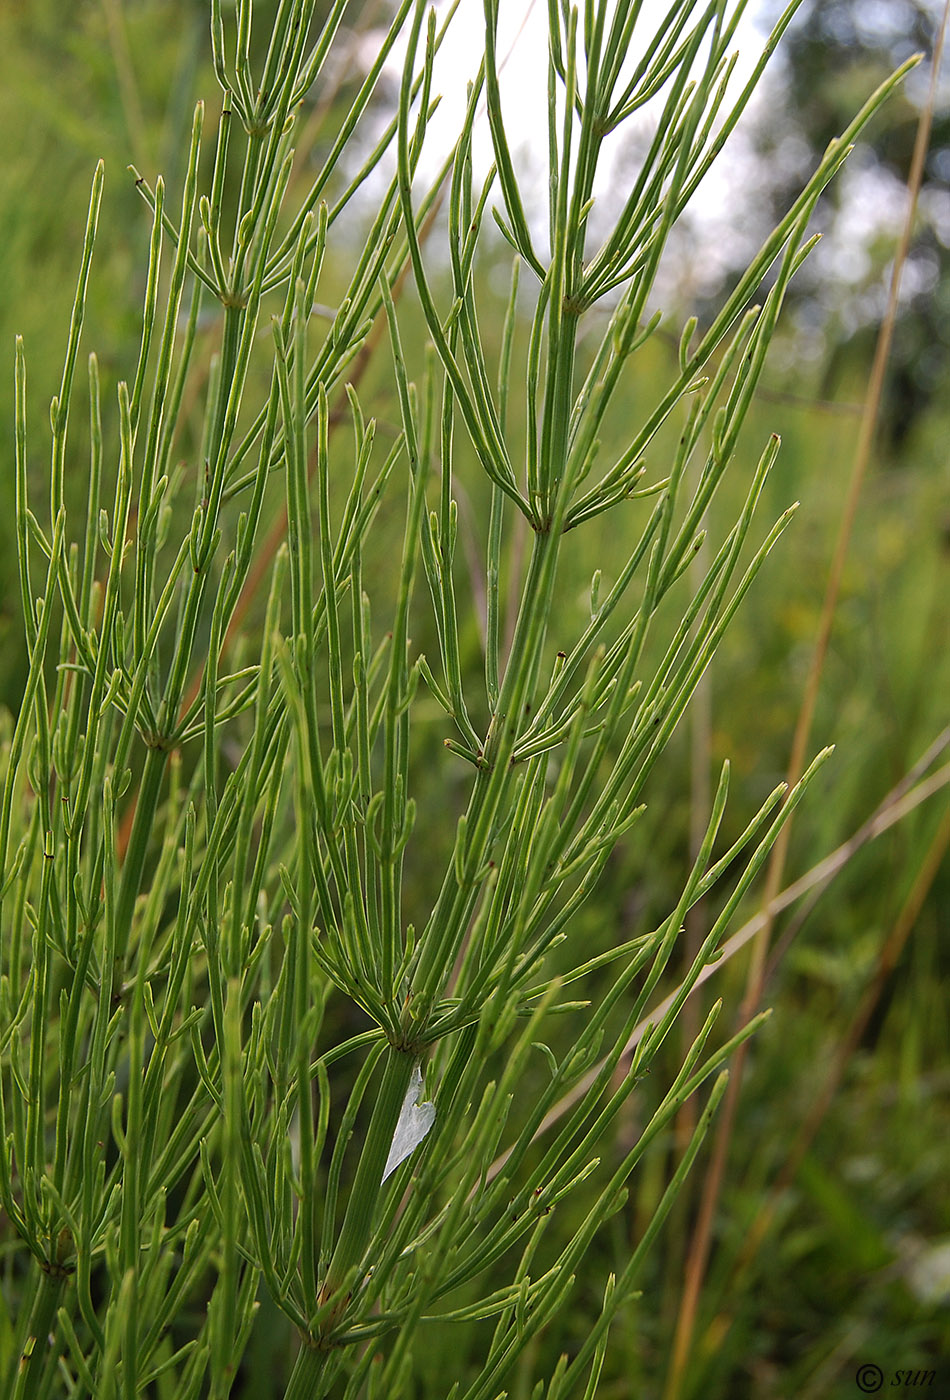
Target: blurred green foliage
77	84
833	1285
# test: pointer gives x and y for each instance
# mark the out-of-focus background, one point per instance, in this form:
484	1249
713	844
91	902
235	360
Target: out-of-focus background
854	1265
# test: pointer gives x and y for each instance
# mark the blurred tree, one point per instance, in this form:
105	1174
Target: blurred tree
835	53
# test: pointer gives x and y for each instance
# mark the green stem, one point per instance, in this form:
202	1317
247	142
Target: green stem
439	947
360	1210
142	826
36	1351
308	1379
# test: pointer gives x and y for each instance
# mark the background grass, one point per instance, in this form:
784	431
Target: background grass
841	1276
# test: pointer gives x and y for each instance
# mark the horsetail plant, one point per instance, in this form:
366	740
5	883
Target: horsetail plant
243	1067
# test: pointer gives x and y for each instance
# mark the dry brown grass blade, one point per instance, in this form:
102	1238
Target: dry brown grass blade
701	1241
904	798
887	960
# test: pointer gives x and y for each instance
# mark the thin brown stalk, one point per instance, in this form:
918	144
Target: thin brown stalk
695	929
696	923
898	804
702	1235
331	87
887	960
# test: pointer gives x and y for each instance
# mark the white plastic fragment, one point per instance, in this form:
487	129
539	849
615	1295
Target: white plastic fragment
415	1120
